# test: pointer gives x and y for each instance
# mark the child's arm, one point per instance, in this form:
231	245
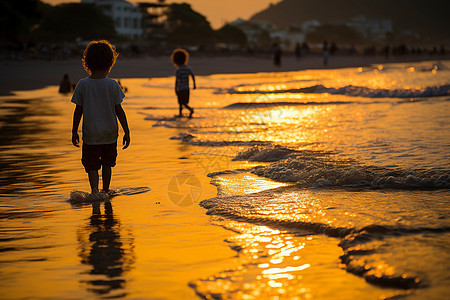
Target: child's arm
76	121
120	113
193	79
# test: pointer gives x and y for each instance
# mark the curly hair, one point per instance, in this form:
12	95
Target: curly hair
179	57
99	55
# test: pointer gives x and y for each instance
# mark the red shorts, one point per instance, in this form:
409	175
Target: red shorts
95	156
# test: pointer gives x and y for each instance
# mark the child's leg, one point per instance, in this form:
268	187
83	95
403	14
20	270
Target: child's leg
108	158
180	110
190	109
93	180
90	158
106	178
186	101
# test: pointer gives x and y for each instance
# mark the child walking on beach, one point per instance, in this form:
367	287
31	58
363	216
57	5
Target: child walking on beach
180	58
98	99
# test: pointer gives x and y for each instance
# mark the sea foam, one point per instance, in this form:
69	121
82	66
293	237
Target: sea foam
319	169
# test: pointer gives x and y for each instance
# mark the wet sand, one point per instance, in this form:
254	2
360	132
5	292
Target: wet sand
34	74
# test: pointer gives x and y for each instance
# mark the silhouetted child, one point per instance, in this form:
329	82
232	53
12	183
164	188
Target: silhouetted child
65	86
98	99
180	58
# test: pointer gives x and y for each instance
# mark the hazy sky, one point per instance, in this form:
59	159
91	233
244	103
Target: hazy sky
217	11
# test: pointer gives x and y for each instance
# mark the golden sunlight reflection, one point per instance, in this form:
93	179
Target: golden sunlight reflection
274	272
242	184
277	265
382	269
286	269
279	276
299	125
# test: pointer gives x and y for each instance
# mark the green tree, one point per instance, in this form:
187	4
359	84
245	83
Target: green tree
187	26
230	34
69	21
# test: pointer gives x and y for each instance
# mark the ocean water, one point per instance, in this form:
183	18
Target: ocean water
360	155
324	184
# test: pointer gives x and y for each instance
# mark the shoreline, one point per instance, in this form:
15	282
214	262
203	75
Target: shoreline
34	74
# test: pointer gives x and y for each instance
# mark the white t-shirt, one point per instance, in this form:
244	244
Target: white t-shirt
99	98
182	74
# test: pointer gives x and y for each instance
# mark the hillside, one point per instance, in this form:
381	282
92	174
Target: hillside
426	17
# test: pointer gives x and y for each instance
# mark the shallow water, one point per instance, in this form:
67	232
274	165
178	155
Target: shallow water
337	188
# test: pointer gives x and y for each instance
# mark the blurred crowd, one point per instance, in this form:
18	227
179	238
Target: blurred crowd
67	51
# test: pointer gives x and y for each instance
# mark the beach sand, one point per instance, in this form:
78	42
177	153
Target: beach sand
33	74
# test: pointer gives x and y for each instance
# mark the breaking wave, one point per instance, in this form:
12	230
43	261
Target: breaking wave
293	215
322	169
246	105
354	91
318	169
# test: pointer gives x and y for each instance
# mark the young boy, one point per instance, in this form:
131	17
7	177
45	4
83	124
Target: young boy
180	58
98	99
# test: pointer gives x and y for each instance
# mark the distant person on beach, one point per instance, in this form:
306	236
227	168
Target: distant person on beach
276	55
333	48
325	53
180	58
305	48
386	51
65	86
98	99
298	51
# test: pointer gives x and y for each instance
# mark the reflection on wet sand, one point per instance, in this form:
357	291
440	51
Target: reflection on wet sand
23	123
108	254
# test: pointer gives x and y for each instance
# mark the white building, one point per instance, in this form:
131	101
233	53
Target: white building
258	33
126	16
309	26
288	37
255	30
373	28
